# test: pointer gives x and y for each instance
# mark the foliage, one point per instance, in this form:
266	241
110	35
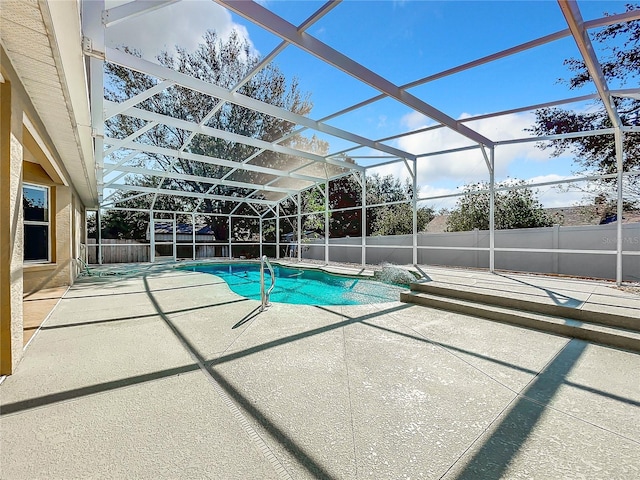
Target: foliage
514	208
597	153
398	220
382	218
124	224
387	189
225	63
346	192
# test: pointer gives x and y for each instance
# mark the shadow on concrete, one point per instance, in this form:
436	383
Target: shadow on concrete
77	287
451	347
138	317
309	333
31	403
252	314
492	459
45	281
602	393
305	460
125	382
557	298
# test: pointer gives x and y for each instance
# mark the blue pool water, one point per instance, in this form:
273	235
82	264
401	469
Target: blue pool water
300	286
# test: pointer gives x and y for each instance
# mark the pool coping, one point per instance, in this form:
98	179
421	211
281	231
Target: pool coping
332	269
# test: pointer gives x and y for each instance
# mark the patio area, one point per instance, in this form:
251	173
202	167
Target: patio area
165	373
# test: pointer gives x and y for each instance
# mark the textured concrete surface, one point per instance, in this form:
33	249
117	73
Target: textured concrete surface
36	307
168	374
586	295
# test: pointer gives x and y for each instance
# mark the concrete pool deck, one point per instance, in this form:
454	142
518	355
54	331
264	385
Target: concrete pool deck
166	373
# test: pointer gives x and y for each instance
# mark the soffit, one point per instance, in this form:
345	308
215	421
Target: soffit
31	39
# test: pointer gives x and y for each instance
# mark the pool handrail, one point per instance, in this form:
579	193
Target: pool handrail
264	296
83	268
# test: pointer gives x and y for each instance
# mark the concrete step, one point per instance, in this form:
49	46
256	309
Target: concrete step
529	304
593	332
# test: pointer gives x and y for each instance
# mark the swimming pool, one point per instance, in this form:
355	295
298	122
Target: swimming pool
301	286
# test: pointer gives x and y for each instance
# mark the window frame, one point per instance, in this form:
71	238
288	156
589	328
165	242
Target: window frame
46	223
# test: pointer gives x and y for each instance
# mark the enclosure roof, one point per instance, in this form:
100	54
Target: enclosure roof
307	40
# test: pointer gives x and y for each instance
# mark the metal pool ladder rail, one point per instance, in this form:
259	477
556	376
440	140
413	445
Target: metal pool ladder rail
264	296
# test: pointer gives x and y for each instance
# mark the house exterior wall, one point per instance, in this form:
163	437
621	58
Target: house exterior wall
10	236
28	155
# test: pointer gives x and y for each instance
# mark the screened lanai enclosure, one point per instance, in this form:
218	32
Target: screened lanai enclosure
338	131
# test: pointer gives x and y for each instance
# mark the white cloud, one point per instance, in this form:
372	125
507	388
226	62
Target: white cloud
550	196
415	120
182	24
320	32
397	169
439	203
469	166
563	195
552	177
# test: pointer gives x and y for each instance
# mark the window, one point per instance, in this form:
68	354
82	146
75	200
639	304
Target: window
35	201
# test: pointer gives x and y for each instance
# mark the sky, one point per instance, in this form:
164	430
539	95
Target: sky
404	41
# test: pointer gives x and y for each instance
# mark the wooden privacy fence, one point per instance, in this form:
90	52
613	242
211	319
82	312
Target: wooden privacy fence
134	251
118	251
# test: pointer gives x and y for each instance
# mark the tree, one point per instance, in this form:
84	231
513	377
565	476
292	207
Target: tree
395	219
384	215
383	219
398	220
596	154
224	63
514	208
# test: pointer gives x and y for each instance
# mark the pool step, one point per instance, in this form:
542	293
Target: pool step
607	331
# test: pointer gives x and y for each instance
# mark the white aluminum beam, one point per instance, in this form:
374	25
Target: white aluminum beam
229	136
619	139
208	180
627	93
110	167
110	182
168	152
285	30
94	32
317	15
601	22
132	9
587	178
180	193
560	136
124	59
113	109
120	200
578	29
130	138
631	93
